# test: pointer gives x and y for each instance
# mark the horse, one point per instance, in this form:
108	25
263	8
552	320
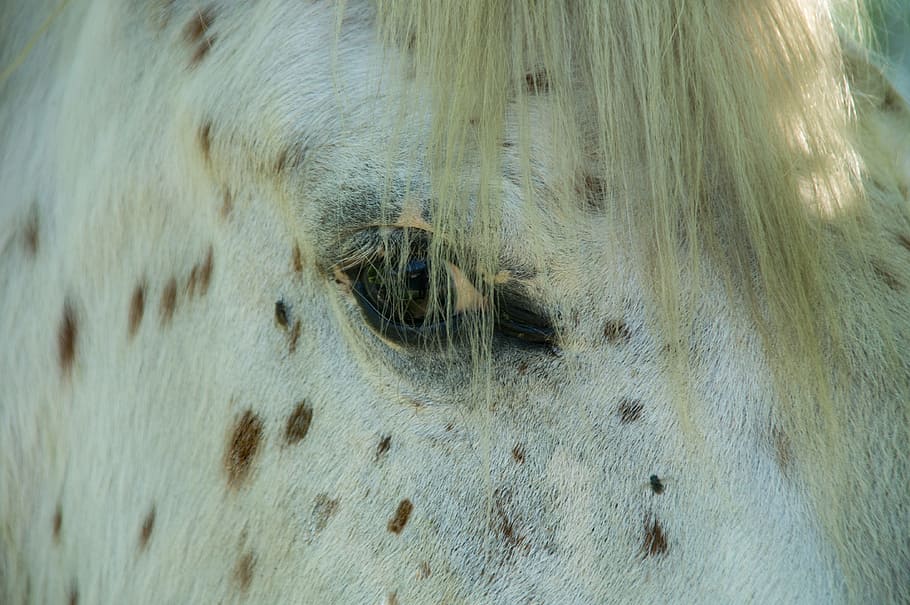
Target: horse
393	301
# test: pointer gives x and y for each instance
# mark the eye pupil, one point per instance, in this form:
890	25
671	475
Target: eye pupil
417	280
401	296
416	286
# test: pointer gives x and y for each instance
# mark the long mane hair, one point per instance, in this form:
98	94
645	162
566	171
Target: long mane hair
723	134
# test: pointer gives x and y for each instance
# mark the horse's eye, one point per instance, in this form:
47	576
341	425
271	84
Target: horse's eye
406	300
402	293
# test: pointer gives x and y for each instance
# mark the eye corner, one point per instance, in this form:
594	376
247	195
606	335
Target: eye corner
521	319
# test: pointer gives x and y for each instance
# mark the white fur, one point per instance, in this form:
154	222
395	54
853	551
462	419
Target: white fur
99	137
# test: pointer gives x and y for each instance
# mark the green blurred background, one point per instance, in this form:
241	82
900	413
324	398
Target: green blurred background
893	28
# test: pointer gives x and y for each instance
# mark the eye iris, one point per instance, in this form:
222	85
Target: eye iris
417	284
403	295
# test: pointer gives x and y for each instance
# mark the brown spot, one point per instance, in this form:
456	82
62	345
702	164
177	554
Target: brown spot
227	203
57	524
168	301
518	453
595	192
886	276
297	258
282	160
298	423
145	532
74	595
204	136
281	314
537	83
655	540
324	508
904	241
402	513
680	347
384	444
522	368
423	572
617	331
657	486
629	410
242	448
904	191
67	338
191	282
507	527
30	235
392	599
782	450
293	337
137	309
202	50
205	272
196	33
243	571
412	41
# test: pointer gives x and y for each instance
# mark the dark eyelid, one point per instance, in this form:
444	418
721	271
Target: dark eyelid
518	316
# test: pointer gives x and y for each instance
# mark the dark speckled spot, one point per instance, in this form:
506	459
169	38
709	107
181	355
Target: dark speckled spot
243	445
67	338
145	532
629	410
655	540
402	514
298	424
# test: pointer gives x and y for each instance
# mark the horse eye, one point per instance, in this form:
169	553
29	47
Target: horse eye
406	301
402	294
